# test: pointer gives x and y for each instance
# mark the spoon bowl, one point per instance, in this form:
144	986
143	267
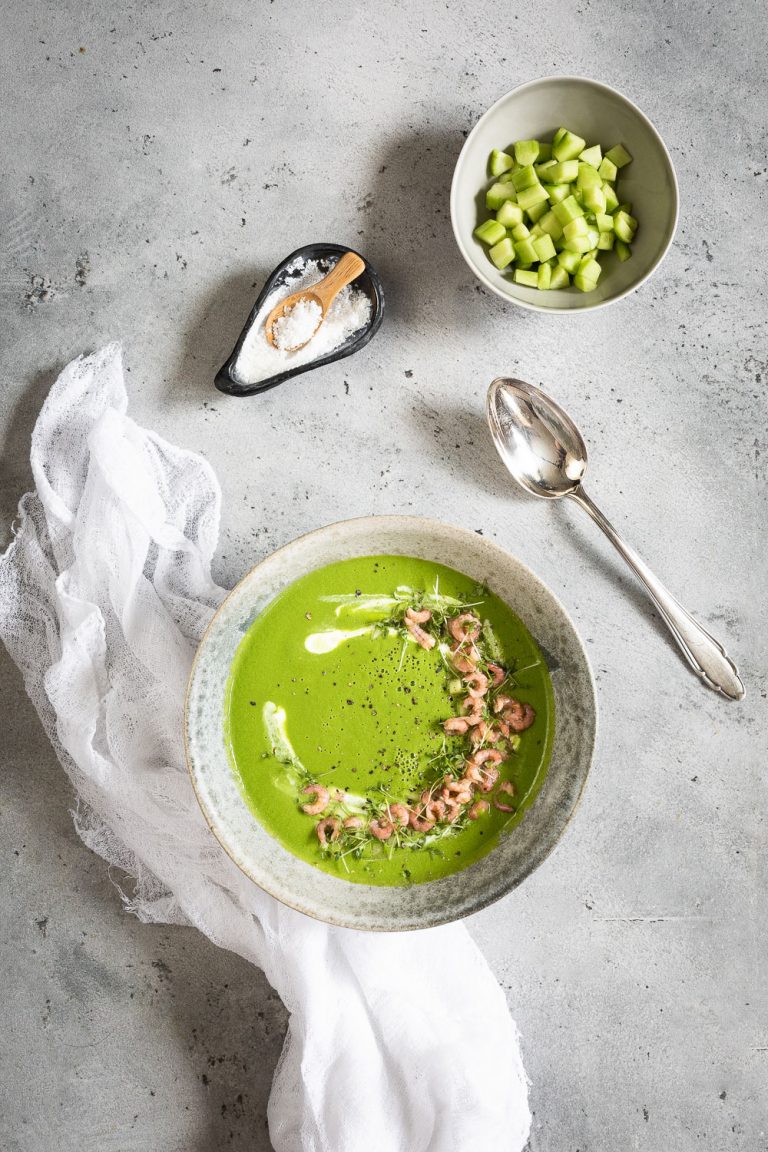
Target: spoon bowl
322	294
286	305
539	443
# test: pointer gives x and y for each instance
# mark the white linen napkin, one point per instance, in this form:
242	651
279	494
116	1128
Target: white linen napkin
396	1042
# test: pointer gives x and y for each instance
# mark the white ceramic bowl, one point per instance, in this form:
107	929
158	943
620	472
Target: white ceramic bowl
336	900
602	116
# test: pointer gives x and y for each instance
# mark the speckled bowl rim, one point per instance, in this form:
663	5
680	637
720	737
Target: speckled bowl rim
436	913
584	309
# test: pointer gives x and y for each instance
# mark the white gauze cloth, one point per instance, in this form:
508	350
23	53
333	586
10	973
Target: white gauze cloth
396	1042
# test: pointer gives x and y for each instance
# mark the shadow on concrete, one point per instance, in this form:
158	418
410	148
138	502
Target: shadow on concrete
211	336
15	470
588	538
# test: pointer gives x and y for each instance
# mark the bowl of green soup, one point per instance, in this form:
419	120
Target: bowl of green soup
389	723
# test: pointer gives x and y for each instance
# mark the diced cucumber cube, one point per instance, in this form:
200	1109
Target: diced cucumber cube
552	226
545	248
525	251
556	210
569	261
568	146
619	156
583	284
490	232
607	169
557	192
500	162
579	244
568	209
526	151
544	277
593	155
564	172
588	177
575	227
623	226
502	253
611	199
510	214
538	211
594	199
529	279
589	269
558	279
525	178
497	194
527	198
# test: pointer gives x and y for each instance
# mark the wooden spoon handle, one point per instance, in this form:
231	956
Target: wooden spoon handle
345	271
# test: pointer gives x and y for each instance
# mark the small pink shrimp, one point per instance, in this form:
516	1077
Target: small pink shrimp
327	829
412	621
489	779
421	823
505	788
435	810
400	813
462	660
456	724
519	716
484	778
452	812
474	773
353	822
503	727
464	627
498	674
455	792
485	754
382	829
320	803
501	702
486	734
478	808
419	617
480	683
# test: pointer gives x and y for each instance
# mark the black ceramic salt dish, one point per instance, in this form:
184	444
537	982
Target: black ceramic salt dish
325	256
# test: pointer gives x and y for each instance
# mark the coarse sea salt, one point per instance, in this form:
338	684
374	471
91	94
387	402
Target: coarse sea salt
349	312
297	324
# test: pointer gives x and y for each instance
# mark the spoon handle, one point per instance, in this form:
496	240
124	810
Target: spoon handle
347	269
707	658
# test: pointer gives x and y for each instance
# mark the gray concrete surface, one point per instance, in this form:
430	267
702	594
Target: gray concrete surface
158	160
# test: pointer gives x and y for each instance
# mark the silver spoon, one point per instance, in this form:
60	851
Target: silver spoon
545	452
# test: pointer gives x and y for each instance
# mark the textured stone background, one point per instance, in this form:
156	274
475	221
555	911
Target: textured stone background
158	160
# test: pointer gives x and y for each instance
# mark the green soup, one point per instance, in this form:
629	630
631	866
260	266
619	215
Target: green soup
332	693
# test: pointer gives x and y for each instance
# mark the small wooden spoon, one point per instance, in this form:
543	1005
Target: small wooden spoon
324	293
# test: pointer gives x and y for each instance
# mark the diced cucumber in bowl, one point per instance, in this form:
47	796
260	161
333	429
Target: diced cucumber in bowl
556	211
